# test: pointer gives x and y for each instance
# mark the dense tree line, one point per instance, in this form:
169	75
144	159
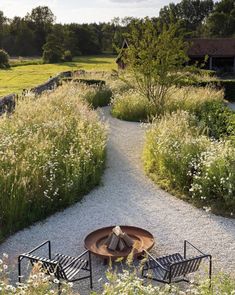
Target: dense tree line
26	36
38	30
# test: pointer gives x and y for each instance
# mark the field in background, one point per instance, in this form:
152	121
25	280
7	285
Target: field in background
27	73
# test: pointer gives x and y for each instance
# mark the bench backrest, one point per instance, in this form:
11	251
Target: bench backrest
185	267
49	266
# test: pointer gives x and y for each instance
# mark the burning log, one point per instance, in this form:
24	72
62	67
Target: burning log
118	240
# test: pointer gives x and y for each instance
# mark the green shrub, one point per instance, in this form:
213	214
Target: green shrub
229	89
131	106
4	59
97	96
52	152
67	56
52	56
90	82
217	118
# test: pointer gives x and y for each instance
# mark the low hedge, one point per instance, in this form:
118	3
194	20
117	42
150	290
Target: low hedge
89	82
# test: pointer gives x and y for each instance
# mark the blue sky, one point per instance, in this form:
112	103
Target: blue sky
82	11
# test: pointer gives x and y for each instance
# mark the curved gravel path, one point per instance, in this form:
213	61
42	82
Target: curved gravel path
127	196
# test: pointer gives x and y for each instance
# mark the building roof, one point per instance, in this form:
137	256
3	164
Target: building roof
124	46
215	47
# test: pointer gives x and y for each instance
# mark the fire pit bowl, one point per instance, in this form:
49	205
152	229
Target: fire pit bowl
95	242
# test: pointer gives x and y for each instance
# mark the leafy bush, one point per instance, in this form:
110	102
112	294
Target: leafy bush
131	106
52	50
67	56
217	118
179	157
89	82
97	96
52	56
52	152
4	59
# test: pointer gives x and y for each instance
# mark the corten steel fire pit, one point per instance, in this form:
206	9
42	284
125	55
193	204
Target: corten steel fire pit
96	242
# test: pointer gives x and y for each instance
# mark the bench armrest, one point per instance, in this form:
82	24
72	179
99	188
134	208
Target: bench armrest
192	246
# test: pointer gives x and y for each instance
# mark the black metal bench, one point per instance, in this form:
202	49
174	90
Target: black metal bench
174	268
63	267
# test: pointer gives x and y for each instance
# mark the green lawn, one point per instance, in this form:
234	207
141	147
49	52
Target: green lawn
21	76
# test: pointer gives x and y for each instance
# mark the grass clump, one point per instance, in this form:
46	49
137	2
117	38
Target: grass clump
97	96
52	152
131	106
208	105
182	159
191	99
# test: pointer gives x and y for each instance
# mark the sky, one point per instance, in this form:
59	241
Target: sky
86	11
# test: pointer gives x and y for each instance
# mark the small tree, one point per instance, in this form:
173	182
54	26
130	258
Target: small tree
67	56
4	59
156	58
52	50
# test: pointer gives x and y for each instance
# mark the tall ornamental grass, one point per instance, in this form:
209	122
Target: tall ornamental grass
191	99
131	106
96	96
181	158
172	148
52	152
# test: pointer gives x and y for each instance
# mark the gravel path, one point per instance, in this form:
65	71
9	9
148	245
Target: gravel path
231	105
127	196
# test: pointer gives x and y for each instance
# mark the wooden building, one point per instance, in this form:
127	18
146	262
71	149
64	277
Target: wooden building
220	52
120	59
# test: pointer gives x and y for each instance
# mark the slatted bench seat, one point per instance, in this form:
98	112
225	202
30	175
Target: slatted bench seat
175	267
63	267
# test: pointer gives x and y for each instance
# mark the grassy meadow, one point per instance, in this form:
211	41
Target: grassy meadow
27	73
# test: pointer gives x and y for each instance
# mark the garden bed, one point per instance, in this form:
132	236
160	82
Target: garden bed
52	153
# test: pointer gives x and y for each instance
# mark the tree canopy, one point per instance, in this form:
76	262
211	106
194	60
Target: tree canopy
221	22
